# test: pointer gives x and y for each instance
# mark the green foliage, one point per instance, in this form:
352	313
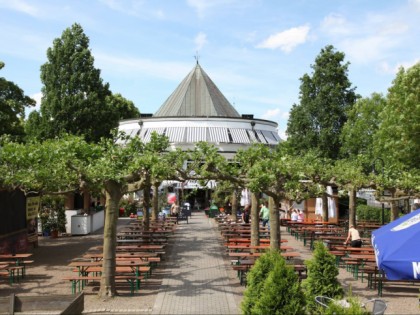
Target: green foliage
322	276
125	108
53	216
325	98
74	96
363	122
397	139
13	102
273	288
130	206
370	213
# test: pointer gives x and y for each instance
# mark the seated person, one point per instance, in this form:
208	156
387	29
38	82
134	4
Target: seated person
354	236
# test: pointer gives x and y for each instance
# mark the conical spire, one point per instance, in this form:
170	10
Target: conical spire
197	96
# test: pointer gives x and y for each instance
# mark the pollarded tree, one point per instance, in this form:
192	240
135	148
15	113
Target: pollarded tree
68	163
398	137
74	96
325	97
13	102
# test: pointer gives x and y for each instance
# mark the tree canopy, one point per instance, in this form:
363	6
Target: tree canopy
74	96
325	97
398	136
13	103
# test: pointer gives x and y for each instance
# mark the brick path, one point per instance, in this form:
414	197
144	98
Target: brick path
196	280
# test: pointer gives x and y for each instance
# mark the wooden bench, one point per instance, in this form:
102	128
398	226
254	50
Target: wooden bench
81	281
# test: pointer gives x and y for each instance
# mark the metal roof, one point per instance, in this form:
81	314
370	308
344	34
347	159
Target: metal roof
197	96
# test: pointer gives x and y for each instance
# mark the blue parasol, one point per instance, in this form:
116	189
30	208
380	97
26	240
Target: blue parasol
397	249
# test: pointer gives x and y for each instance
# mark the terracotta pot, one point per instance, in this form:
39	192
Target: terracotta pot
54	234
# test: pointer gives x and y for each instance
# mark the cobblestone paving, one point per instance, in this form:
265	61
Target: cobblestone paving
197	280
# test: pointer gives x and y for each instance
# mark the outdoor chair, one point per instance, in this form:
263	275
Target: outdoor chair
379	306
324	301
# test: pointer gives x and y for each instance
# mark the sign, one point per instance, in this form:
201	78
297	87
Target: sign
32	207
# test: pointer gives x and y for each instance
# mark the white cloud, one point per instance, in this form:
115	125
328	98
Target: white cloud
20	6
286	40
37	97
335	24
200	40
203	6
130	66
133	8
275	114
387	68
367	49
415	4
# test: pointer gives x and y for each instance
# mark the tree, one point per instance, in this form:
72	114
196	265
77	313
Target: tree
125	108
357	135
13	102
325	98
398	137
322	276
272	288
74	97
69	163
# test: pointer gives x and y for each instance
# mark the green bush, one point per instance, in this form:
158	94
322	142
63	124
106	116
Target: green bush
370	213
273	288
322	276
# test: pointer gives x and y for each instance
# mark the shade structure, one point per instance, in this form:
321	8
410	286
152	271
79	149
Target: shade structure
397	249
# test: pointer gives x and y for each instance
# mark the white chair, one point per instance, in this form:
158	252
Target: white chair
379	306
324	300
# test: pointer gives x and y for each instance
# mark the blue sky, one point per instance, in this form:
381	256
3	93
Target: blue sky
254	50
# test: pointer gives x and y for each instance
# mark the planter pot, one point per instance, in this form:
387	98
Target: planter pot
54	234
46	233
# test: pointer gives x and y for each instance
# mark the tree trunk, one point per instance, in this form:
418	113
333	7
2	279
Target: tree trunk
352	207
113	197
146	206
324	207
274	224
255	221
234	202
394	208
155	212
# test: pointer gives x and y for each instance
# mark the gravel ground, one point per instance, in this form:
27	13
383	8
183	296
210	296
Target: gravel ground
53	256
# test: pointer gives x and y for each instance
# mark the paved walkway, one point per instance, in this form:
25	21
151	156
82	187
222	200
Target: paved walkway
196	280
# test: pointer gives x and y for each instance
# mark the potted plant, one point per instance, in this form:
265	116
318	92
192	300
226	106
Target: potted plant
57	222
45	225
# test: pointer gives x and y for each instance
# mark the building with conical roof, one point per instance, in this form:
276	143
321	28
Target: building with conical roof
198	111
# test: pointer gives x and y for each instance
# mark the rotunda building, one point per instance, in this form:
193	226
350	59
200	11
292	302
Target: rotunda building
198	111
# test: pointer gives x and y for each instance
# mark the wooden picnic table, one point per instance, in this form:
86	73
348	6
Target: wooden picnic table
286	255
135	264
236	241
18	258
143	241
248	247
99	256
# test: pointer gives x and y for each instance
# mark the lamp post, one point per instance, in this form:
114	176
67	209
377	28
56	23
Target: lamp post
383	177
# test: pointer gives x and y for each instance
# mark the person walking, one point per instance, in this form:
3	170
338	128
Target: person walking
264	214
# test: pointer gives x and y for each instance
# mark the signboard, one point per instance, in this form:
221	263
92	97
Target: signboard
32	207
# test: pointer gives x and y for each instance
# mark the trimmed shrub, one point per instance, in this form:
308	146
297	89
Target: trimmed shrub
273	288
322	276
370	213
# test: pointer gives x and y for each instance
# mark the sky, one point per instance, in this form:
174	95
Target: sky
255	51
